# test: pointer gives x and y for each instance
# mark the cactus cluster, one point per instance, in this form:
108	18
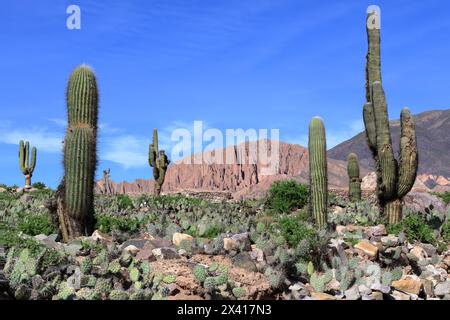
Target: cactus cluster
158	160
80	155
26	166
354	188
318	180
394	178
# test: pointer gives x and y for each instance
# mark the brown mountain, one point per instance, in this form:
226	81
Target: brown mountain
432	130
240	180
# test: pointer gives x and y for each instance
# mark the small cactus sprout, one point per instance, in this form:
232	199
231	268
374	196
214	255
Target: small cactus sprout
200	273
170	278
210	284
354	188
318	181
158	160
239	292
26	167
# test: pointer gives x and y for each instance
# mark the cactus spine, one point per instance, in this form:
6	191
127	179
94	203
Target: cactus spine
354	188
158	160
394	179
80	153
26	167
318	182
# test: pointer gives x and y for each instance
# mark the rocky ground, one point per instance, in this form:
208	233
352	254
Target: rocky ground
365	260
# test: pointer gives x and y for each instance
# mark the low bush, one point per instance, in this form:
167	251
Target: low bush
415	228
124	202
286	196
294	229
34	224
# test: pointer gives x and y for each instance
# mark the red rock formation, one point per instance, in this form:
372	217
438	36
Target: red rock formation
241	178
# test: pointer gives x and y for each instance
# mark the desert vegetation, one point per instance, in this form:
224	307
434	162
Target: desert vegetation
300	242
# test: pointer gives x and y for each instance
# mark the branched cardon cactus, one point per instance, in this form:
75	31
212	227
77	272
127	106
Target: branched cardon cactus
158	160
354	188
318	180
80	154
394	178
26	167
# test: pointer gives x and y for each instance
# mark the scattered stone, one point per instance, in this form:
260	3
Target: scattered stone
165	253
322	296
389	241
428	287
352	293
178	237
229	244
138	243
242	241
429	249
377	286
132	249
97	235
367	248
397	295
442	289
419	253
408	284
377	231
243	260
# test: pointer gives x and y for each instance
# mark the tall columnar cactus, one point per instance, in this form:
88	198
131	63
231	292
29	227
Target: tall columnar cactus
318	180
394	178
26	167
354	187
80	154
158	160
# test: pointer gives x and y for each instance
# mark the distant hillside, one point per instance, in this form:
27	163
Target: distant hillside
432	129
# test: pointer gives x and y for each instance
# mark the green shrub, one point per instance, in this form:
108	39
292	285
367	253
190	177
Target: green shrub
445	231
124	202
286	196
39	185
445	196
34	224
415	228
294	229
108	223
213	231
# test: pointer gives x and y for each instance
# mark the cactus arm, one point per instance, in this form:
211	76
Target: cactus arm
27	155
408	154
155	140
373	65
354	189
369	124
22	157
151	156
385	153
33	160
318	171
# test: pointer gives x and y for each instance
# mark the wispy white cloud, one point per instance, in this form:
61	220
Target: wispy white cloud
42	138
58	121
127	150
334	137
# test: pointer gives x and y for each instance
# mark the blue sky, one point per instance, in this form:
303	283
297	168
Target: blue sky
230	63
